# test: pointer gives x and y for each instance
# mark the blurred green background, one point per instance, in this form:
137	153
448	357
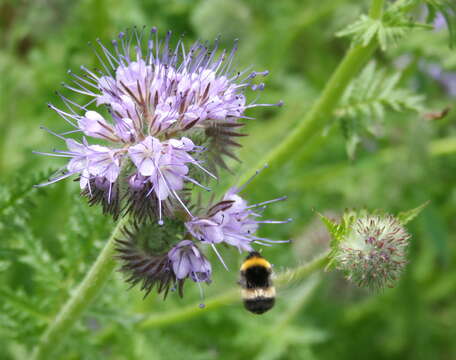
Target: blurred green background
326	318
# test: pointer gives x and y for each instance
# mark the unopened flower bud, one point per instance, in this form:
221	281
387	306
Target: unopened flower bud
373	254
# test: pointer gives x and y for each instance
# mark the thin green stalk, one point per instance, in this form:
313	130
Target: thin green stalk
376	10
80	299
189	311
321	112
230	296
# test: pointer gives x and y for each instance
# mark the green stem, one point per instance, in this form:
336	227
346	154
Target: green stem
231	296
376	10
81	298
321	112
189	311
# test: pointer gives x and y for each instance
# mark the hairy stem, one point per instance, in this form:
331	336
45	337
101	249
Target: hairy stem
376	10
321	112
80	299
231	296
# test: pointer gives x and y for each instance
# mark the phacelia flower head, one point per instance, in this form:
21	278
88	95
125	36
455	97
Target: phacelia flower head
159	111
373	253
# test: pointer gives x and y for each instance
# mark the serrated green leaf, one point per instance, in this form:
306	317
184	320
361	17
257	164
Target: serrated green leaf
18	190
407	216
388	30
351	144
337	232
367	100
22	302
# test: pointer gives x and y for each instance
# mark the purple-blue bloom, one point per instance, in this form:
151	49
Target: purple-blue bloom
188	261
440	22
163	165
158	99
234	222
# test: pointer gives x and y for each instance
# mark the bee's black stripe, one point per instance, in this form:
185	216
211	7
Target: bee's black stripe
259	305
256	277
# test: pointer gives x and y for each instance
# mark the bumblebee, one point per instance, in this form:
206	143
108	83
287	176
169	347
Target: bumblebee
257	290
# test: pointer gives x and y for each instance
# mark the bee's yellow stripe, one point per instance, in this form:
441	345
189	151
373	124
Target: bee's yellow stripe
255	261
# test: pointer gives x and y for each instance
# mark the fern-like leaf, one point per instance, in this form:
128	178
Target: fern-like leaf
366	101
374	92
338	230
388	30
406	216
17	191
23	318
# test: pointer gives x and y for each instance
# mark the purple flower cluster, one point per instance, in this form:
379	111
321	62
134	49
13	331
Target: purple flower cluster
188	261
152	101
232	221
165	119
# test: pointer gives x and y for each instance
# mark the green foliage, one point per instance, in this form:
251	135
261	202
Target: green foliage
367	100
394	24
386	32
448	9
338	230
52	266
407	216
265	339
374	92
233	15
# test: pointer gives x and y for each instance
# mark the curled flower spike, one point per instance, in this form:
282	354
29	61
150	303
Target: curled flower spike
159	111
158	261
373	254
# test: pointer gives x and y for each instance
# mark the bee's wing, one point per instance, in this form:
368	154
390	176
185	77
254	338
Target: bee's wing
288	284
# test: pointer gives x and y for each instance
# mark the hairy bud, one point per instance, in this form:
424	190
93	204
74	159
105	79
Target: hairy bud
373	253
